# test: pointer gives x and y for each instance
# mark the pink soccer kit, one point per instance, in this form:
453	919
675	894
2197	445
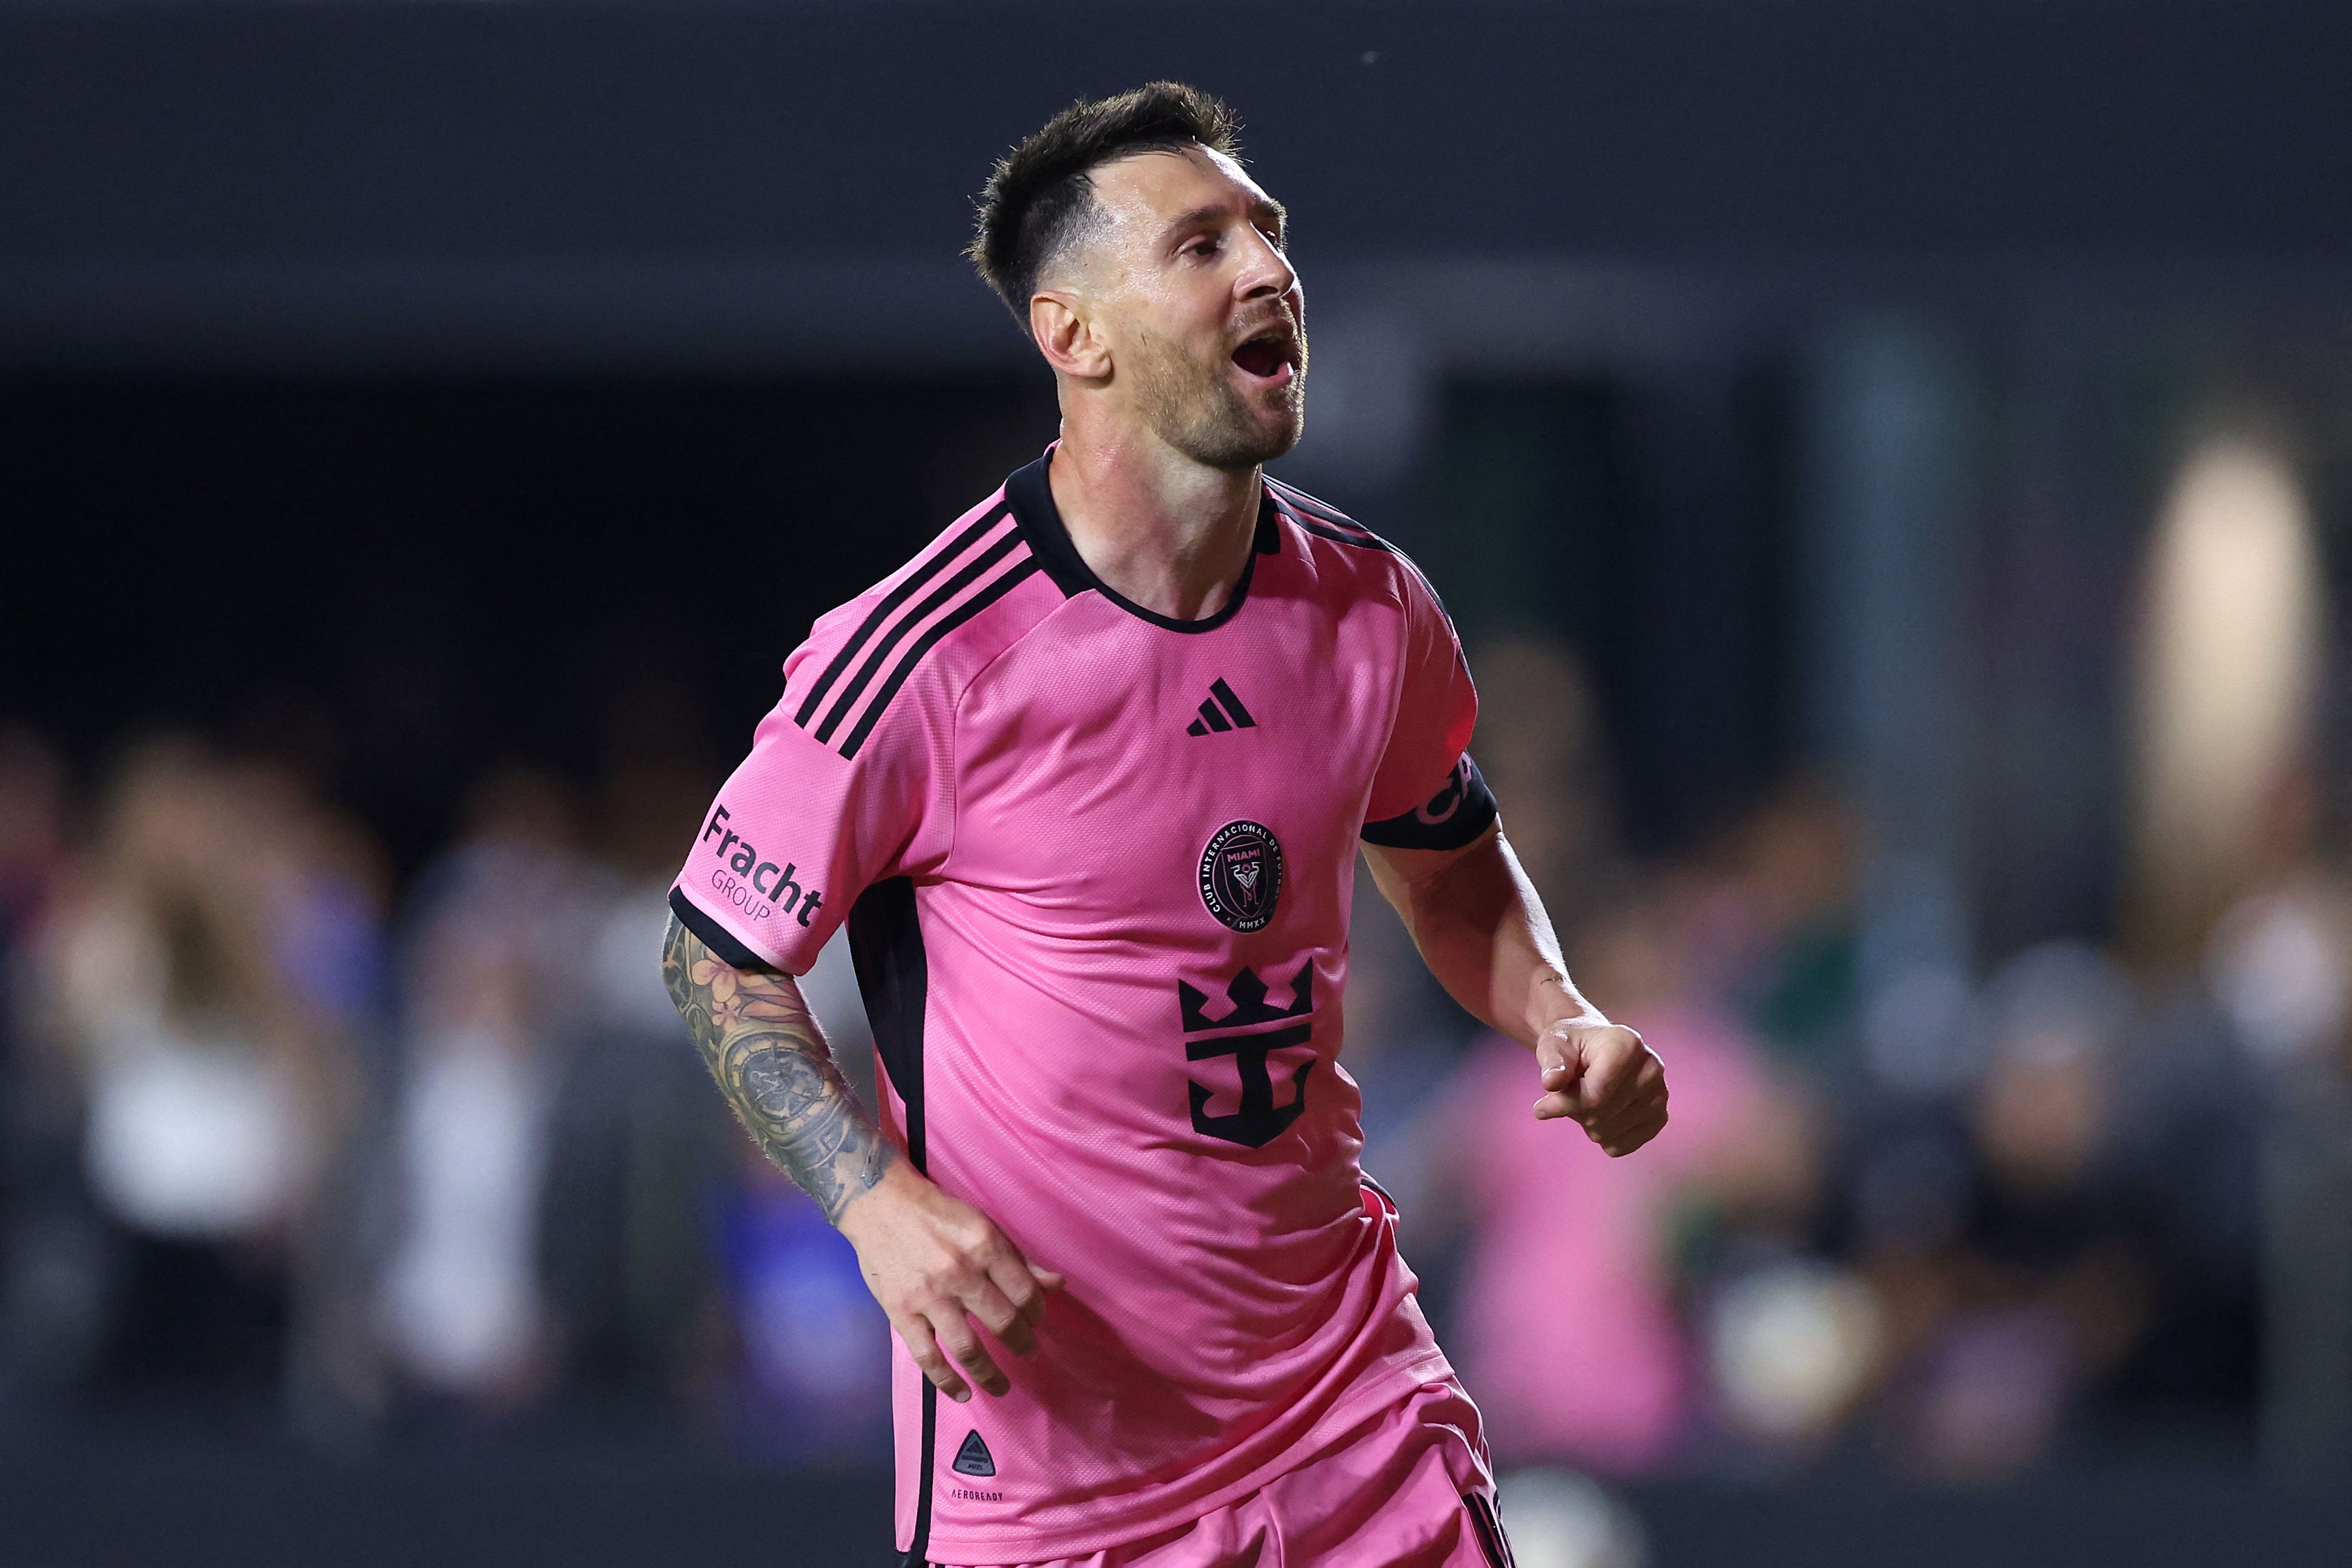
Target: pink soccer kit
1096	866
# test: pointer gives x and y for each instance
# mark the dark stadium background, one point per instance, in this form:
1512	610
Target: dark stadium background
410	399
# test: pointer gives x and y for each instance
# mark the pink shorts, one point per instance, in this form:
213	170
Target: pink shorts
1411	1487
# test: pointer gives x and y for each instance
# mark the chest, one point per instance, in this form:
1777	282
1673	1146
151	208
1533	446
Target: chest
1113	760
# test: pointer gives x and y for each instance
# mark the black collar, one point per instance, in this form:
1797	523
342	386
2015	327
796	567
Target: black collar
1030	496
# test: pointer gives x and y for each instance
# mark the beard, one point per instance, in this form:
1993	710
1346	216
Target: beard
1195	408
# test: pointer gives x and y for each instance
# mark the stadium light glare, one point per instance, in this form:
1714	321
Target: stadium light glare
2228	675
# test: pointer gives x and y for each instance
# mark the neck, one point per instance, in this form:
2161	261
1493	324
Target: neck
1166	532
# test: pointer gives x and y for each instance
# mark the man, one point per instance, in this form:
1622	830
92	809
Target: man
1088	779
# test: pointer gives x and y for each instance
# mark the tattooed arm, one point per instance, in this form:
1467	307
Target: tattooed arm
935	1263
772	1065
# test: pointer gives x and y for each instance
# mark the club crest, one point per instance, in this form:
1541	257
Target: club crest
1241	875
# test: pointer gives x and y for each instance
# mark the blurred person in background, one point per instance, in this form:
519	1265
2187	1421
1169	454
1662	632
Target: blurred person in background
211	966
809	1371
1539	720
2256	1266
1793	1334
562	1189
2009	1309
636	1159
32	853
639	1242
484	991
1792	942
50	1264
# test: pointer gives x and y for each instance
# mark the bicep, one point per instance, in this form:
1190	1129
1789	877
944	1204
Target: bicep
1405	877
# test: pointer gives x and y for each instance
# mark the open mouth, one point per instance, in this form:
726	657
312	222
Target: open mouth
1269	355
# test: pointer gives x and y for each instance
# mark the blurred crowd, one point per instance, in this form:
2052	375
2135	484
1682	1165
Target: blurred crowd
285	1140
372	1156
1947	1215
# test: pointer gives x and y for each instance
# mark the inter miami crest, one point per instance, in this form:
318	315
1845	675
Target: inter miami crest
1241	875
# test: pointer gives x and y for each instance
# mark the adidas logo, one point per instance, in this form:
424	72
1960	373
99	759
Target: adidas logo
1220	710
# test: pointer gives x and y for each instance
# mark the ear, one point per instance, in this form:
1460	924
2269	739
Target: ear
1065	333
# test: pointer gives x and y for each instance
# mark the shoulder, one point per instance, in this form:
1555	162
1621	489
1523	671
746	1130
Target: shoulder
1336	544
914	639
1321	519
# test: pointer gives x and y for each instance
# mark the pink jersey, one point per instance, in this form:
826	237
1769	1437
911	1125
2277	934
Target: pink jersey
1097	864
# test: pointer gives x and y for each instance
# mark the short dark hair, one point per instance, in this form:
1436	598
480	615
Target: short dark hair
1039	197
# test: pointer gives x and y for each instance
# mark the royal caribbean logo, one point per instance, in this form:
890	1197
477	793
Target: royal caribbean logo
1250	1030
1241	875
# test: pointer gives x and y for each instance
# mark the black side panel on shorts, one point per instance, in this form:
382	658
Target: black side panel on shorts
917	1549
1489	1527
886	944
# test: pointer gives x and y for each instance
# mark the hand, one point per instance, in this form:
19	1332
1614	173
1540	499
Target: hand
937	1264
1605	1078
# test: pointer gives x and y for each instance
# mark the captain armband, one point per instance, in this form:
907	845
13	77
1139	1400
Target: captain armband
1461	809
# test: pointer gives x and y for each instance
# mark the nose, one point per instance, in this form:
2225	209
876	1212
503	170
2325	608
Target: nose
1268	273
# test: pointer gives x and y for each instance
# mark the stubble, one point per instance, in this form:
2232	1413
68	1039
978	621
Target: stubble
1196	408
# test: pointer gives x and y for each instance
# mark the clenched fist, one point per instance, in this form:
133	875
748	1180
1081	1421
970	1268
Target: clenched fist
1604	1079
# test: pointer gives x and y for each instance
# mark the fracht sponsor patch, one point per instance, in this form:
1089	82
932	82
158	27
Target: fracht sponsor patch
757	886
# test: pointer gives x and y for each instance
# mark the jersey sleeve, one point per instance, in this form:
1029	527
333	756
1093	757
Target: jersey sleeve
799	829
1428	794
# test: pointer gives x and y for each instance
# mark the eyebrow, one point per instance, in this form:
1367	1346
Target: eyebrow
1260	207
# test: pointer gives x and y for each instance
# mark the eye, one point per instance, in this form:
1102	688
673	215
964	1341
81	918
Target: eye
1205	245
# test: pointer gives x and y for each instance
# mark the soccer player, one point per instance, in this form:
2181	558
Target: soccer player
1086	779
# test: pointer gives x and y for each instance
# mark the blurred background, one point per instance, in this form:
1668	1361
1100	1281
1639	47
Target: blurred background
1892	467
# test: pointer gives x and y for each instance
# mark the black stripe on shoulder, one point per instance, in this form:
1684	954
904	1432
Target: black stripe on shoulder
716	937
977	567
1361	541
1319	521
996	590
1321	510
912	585
1347	530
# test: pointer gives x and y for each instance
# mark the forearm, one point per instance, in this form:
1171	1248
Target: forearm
772	1065
1482	929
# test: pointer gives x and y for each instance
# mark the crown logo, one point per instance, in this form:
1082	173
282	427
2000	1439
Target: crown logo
1247	994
